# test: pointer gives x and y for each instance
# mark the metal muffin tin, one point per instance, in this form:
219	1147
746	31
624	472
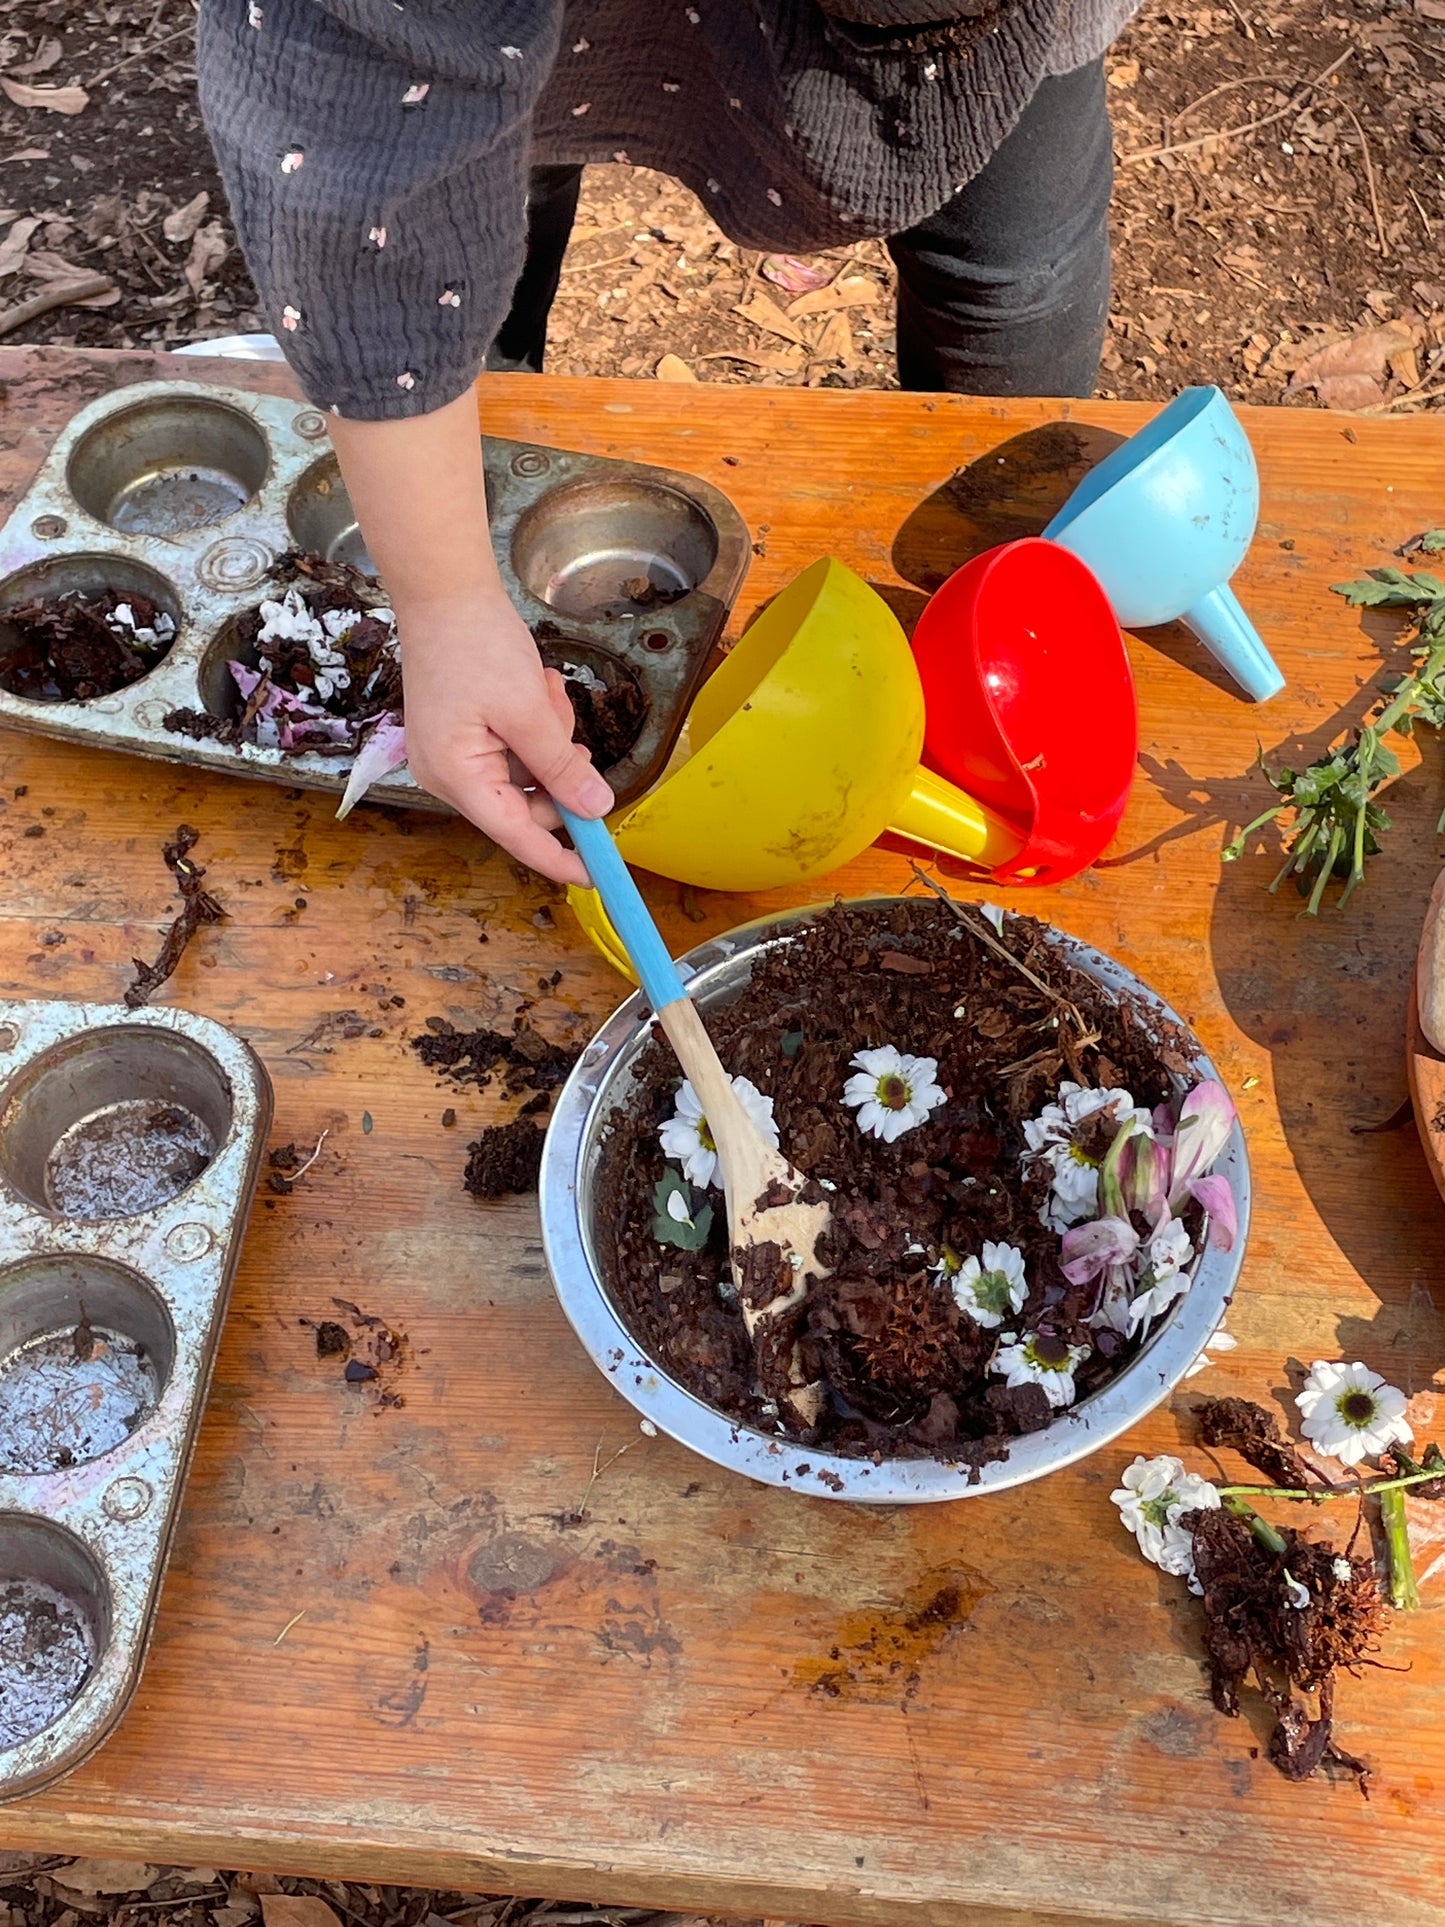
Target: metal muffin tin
602	1086
110	1312
188	494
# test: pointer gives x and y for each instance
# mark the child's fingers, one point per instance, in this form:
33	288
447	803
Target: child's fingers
540	736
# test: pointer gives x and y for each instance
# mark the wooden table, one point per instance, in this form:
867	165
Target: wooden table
378	1653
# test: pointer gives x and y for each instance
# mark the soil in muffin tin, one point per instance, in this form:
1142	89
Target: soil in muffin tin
64	650
906	1371
609	718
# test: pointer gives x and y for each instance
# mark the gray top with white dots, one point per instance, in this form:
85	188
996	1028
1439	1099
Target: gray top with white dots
375	152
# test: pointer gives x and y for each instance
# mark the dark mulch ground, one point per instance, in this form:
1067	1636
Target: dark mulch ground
1238	253
40	1891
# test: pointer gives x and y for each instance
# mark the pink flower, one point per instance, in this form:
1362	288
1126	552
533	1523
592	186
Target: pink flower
383	750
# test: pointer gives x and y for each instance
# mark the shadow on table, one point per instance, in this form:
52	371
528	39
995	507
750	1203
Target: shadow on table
1327	996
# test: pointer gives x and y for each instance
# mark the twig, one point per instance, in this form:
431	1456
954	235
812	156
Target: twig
1370	182
598	1468
1424	217
292	1621
985	935
60	294
140	52
198	906
301	1170
1247	127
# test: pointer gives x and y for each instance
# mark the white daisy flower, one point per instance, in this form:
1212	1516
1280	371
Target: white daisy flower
1054	1139
1041	1360
685	1135
987	1288
1350	1412
892	1091
1343	1570
1153	1496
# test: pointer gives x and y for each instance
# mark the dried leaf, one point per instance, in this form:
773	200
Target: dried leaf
1431	9
14	247
297	1910
857	293
104	1877
208	250
785	271
56	100
25	154
673	368
181	223
836	342
41	62
1350	373
765	313
1123	73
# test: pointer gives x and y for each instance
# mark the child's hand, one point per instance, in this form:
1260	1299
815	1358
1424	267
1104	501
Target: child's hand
482	717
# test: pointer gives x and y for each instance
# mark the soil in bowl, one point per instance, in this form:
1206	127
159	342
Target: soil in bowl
905	1369
75	647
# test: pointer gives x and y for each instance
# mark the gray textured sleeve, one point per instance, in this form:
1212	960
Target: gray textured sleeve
375	158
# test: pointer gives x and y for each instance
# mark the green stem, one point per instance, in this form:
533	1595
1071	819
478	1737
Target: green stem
1271	1540
1404	1593
1322	1492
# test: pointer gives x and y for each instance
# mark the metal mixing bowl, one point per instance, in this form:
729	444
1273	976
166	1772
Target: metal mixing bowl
602	1082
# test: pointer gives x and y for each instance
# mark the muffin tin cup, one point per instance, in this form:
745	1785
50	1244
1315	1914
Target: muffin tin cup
130	1147
190	494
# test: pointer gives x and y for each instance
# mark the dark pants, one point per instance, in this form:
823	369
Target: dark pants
1005	291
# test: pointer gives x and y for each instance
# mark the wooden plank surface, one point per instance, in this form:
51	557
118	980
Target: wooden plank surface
476	1696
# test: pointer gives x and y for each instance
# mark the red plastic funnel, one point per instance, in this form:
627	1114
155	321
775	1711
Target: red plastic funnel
1030	702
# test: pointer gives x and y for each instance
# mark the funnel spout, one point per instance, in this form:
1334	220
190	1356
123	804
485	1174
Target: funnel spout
1232	639
937	814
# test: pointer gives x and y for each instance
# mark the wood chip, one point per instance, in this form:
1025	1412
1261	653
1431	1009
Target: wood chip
674	368
857	293
765	313
55	100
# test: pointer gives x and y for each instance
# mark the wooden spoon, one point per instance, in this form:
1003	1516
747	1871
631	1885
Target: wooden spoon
773	1227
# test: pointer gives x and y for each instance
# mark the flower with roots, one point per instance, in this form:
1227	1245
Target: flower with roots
988	1288
1350	1412
892	1091
1155	1493
1071	1139
685	1135
1044	1360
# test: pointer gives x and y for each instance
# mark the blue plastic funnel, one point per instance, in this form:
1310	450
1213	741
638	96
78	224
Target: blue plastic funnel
1164	522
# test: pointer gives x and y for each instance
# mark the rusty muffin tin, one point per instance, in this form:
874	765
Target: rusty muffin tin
189	494
130	1145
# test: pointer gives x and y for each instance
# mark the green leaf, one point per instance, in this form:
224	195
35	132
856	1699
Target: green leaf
1383	588
366	1122
792	1042
1432	541
689	1233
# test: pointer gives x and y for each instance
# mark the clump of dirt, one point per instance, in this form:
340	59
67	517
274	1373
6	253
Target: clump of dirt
504	1159
523	1061
1254	1433
610	710
1293	1618
75	647
904	1370
198	907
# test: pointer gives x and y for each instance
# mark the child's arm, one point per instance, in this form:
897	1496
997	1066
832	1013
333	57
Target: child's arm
475	687
375	156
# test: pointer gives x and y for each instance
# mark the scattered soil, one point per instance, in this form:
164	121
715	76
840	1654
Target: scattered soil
198	907
1251	1627
129	1157
525	1061
372	1354
69	1397
62	649
45	1658
905	1371
505	1159
1237	254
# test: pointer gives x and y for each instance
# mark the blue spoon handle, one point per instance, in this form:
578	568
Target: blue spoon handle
630	916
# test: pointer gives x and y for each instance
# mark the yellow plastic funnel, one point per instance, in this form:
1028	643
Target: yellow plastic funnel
804	749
